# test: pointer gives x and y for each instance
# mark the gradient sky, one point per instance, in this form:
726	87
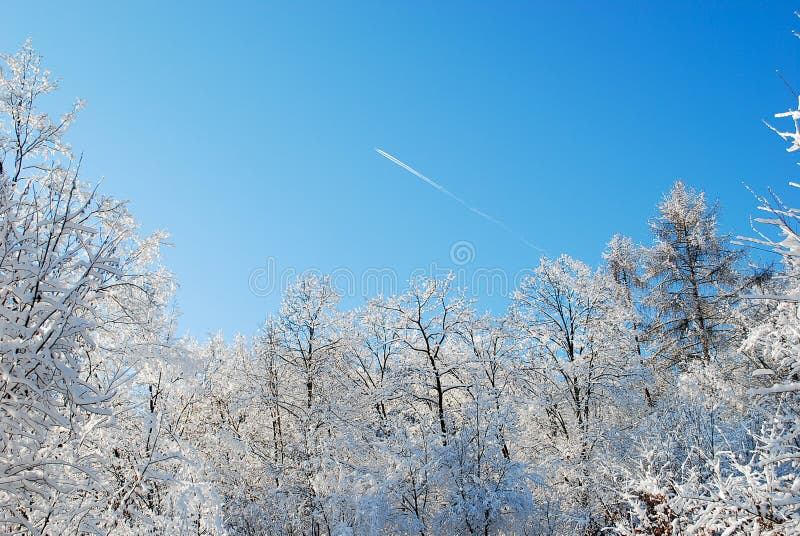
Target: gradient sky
247	130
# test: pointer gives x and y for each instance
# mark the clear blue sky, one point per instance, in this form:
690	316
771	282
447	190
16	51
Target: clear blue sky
247	130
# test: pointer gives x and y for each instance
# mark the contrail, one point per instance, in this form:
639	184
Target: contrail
463	203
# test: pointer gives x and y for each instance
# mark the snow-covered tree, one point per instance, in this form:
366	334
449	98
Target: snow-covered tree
693	279
86	356
580	370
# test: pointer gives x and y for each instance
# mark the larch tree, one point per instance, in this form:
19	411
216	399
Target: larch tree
693	279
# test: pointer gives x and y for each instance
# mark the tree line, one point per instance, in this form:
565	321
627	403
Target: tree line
655	394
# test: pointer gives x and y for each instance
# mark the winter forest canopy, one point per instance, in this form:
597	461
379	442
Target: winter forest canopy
657	393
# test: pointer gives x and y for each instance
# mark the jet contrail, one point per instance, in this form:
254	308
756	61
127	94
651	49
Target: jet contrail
463	203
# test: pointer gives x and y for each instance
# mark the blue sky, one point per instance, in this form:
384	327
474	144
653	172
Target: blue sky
247	130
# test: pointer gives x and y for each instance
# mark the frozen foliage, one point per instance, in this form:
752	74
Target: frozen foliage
749	484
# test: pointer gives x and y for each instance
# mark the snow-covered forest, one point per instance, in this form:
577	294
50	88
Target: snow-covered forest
657	393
